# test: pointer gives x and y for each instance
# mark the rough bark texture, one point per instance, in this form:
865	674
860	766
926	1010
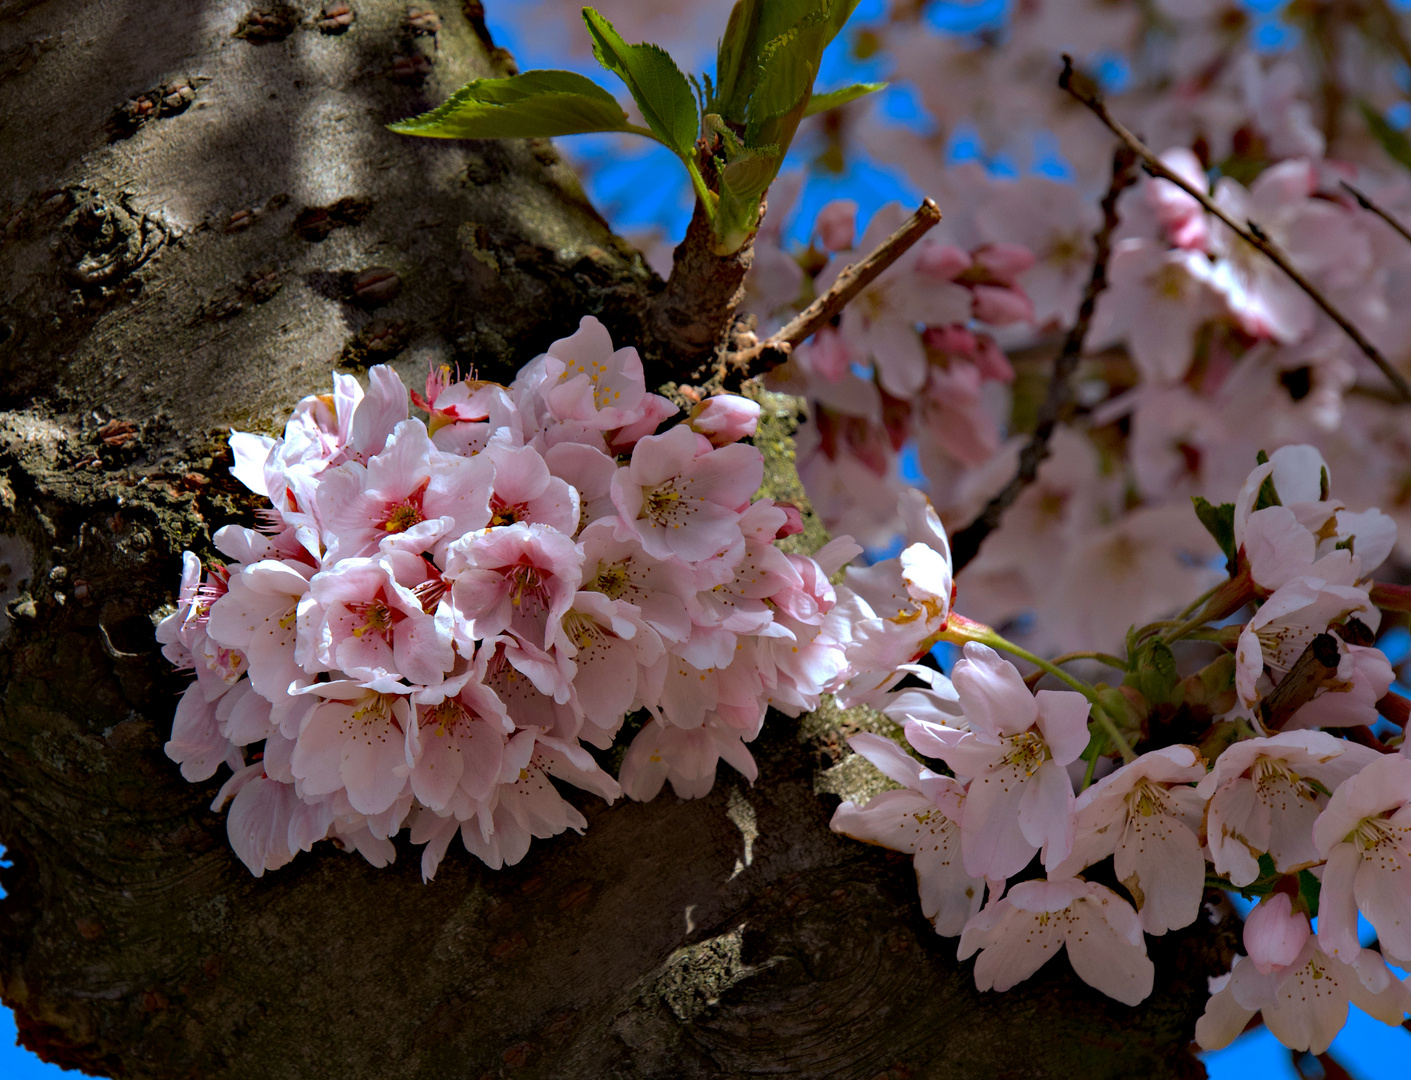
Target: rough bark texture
196	225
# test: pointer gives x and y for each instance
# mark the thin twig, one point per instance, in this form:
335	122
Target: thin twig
773	351
1250	231
965	544
1368	204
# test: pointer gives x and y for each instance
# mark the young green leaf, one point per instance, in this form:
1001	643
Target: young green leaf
656	83
536	104
819	103
1219	522
1397	145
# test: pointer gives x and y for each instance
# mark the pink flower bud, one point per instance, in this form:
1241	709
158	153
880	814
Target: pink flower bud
793	520
836	224
954	339
999	306
1004	262
1181	215
828	355
990	359
943	261
1273	934
725	418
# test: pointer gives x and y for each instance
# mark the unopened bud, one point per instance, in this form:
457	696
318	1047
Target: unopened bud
725	418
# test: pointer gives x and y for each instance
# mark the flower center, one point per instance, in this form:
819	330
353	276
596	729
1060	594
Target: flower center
665	505
377	618
525	580
1028	751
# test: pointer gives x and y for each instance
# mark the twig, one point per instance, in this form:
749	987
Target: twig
773	351
1368	204
965	544
1250	232
1315	665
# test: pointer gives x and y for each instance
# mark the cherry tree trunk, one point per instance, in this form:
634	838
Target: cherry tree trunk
201	213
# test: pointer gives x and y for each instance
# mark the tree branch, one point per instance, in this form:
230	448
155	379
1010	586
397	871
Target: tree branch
1250	232
965	544
763	357
1368	204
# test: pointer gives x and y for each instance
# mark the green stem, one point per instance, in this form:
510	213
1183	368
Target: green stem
1088	773
707	197
1101	657
1184	628
993	640
1186	611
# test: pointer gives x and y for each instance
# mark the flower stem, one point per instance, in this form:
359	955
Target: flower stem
1101	657
960	630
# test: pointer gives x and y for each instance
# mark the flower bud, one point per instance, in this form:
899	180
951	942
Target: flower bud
725	418
1274	934
1004	262
836	224
942	261
793	520
999	306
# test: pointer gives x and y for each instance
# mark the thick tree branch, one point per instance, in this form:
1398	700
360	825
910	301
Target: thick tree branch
965	544
763	357
1250	231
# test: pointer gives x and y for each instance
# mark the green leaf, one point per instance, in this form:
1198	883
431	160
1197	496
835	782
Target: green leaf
1311	889
1268	495
1219	522
819	103
788	65
656	83
536	104
1397	145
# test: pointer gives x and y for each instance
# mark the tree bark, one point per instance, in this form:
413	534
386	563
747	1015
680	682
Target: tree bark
201	214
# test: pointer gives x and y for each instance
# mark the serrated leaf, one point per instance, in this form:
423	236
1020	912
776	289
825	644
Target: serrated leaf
788	65
535	104
819	103
656	84
1396	144
1219	522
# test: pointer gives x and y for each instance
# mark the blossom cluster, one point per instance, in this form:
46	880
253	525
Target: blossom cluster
438	617
1011	838
1201	352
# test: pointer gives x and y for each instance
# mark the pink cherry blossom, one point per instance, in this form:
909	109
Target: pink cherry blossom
1019	800
1365	835
1017	934
1305	1002
519	578
1150	818
682	503
1264	795
922	820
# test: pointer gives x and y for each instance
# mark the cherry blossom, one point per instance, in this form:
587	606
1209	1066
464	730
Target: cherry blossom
1103	935
1365	835
922	820
1149	817
1019	800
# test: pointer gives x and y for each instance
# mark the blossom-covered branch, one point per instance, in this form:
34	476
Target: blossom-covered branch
965	544
1251	232
766	355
